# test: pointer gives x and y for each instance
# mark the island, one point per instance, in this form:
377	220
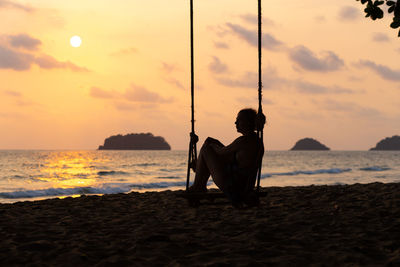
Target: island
134	141
309	144
389	143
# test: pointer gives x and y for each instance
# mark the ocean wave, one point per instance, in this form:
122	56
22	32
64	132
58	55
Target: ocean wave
111	188
330	171
294	173
105	173
339	183
144	164
158	185
63	192
375	169
18	176
168	177
265	175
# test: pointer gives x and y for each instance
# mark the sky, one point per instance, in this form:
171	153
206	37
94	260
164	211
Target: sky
328	72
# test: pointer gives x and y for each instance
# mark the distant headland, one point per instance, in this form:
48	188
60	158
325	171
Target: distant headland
133	141
309	144
389	143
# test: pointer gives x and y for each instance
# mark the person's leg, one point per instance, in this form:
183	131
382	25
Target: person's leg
209	163
202	172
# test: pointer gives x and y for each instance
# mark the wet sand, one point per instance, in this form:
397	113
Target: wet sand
313	225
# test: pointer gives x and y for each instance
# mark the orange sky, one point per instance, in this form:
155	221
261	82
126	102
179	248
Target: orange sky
329	73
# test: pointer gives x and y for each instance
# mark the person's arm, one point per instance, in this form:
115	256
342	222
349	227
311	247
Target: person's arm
213	141
229	149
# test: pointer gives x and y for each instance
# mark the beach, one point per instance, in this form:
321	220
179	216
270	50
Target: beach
311	225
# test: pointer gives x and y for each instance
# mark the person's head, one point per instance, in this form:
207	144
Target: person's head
246	121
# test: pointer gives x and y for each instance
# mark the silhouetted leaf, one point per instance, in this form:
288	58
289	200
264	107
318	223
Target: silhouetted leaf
398	34
390	3
379	13
397	10
378	3
391	9
363	1
395	24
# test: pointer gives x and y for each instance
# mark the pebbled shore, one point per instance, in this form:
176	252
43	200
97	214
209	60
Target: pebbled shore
312	225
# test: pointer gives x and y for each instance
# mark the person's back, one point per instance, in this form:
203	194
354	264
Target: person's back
247	156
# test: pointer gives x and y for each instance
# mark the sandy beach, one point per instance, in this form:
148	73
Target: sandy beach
313	225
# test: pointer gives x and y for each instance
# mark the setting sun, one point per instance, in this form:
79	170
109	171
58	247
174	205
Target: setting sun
76	41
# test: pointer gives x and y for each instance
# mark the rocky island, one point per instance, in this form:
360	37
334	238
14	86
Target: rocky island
309	144
389	143
133	141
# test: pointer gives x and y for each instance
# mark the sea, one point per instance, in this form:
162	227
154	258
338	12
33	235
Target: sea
28	175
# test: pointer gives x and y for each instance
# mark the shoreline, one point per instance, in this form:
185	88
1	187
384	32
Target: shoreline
323	225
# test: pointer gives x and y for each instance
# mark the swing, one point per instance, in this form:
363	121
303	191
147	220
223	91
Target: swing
253	177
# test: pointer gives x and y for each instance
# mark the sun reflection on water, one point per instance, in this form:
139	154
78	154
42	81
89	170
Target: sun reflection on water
69	169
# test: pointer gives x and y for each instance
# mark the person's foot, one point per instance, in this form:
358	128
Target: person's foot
197	189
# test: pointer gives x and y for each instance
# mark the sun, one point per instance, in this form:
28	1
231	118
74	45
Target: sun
75	41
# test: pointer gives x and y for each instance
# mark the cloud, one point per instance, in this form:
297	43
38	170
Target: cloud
20	61
221	45
12	115
348	13
13	93
10	4
251	37
124	52
320	18
123	106
353	78
307	60
272	81
19	99
169	67
382	70
348	107
174	82
48	62
219	30
97	92
312	88
25	103
141	94
15	60
270	42
249	101
248	80
134	93
380	37
24	41
216	66
253	19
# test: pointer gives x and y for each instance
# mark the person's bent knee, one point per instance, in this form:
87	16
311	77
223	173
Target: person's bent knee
206	146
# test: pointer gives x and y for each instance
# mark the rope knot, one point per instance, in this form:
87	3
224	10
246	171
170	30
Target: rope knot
194	138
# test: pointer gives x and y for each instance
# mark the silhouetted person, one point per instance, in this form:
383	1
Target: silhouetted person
232	167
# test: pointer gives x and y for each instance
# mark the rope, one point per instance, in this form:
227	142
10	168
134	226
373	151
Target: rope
192	157
192	62
260	132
